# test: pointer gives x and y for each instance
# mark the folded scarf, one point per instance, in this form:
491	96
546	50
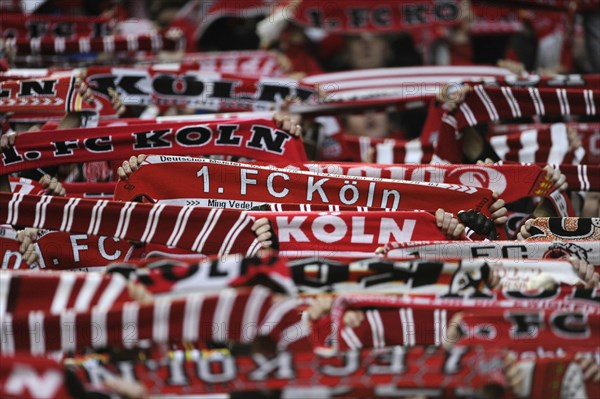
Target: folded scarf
257	139
187	228
237	185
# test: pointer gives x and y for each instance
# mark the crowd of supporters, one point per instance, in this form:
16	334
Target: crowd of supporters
300	199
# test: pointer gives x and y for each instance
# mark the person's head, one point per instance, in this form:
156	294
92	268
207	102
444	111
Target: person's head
367	50
372	123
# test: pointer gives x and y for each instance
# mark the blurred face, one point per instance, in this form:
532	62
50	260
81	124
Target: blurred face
367	51
372	124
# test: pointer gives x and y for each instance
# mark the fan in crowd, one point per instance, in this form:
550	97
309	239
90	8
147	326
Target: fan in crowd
298	199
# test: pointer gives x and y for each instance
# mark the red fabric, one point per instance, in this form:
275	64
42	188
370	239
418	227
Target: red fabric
425	322
304	369
346	234
51	95
60	251
216	182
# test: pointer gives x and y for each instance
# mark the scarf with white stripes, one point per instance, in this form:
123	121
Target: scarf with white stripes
230	316
549	145
225	184
257	139
188	228
409	321
491	104
21	25
153	42
56	292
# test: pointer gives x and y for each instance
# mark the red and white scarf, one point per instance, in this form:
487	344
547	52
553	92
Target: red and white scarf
154	42
490	104
548	145
443	277
196	318
256	139
188	228
37	25
56	292
419	321
362	373
250	62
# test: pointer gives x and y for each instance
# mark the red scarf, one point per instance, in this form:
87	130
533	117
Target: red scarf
347	234
182	227
51	95
490	104
419	321
512	182
218	182
524	328
257	139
